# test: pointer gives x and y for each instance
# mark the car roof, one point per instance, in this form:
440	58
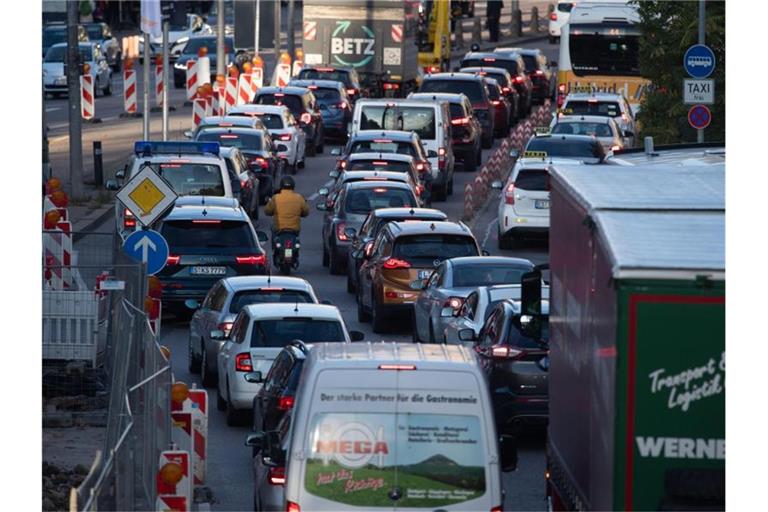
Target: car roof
239	283
236	129
564	137
432	213
450	97
206	212
327	67
517	49
252	108
305	82
226	202
398	102
80	43
383	134
420	227
372	173
491	55
299	91
226	151
381	156
224	121
277	310
370	355
471	260
354	185
452	76
591	119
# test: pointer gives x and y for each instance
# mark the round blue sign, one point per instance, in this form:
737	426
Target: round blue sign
149	247
699	117
699	61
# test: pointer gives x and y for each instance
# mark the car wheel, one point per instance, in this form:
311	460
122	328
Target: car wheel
233	415
350	283
321	142
377	317
118	62
506	242
335	263
431	332
206	375
292	169
362	314
193	362
221	404
552	40
438	194
450	186
300	164
470	162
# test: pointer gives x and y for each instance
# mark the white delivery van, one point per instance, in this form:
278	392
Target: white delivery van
388	426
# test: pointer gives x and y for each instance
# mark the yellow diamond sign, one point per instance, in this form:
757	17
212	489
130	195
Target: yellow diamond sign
146	196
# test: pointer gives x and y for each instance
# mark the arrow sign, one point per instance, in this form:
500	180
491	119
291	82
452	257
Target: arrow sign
149	247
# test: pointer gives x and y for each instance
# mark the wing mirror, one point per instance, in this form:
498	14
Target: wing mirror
189	134
467	335
629	133
418	284
255	440
334	174
356	335
218	335
336	151
508	455
120	174
514	153
322	206
112	185
431	154
254	377
282	148
553	63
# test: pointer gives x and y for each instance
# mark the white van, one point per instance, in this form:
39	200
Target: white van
431	120
391	426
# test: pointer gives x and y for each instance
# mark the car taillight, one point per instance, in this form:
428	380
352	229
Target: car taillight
495	102
419	190
292	507
172	260
306	118
441	159
497	508
391	87
128	219
505	352
460	121
397	367
243	362
340	227
553	16
285	403
454	303
392	263
431	69
615	147
342	105
506	90
261	162
342	164
420	167
225	327
509	194
277	476
352	91
254	259
285	136
245	183
441	151
539	72
519	79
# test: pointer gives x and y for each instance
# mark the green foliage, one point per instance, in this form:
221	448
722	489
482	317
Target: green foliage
669	28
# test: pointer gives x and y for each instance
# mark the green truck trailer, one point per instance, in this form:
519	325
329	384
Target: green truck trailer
637	336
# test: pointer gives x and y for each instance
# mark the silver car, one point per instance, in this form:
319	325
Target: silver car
222	304
269	464
603	128
444	291
55	79
478	305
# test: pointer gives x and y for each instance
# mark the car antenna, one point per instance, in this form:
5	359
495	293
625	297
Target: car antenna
296	307
269	278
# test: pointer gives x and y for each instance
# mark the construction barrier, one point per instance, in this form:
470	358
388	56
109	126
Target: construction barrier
230	93
174	485
282	74
244	89
203	70
257	72
196	404
199	110
192	84
159	84
88	106
129	91
298	63
217	101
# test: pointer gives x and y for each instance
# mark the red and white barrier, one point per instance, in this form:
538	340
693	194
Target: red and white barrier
257	79
174	496
298	64
230	93
203	70
197	405
159	85
88	105
282	73
244	89
129	91
216	102
209	105
191	79
199	107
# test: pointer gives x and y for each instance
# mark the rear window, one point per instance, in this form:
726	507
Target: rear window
531	63
470	88
313	74
592	108
251	141
532	179
494	92
509	65
280	332
499	77
565	6
487	275
410	119
294	103
188	236
364	200
566	148
265	296
384	146
192	179
326	96
517	338
378	165
585	128
457	111
272	121
424	250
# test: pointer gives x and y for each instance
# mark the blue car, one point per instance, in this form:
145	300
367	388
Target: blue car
334	103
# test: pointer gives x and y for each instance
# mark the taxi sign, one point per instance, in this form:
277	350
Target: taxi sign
535	154
541	130
147	196
581	88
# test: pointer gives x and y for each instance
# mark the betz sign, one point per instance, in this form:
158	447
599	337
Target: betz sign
698	92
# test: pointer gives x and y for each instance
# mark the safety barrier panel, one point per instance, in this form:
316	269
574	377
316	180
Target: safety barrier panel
130	101
88	105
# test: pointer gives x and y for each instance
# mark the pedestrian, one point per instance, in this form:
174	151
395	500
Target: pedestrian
494	15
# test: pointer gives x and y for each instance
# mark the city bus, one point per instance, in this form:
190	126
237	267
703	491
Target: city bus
599	51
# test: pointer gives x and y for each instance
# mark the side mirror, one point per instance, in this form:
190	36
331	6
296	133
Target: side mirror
467	335
334	174
356	336
112	185
322	206
254	377
192	304
262	236
508	455
120	174
236	186
255	440
350	232
336	151
497	184
629	133
514	153
323	191
189	134
218	335
432	153
368	249
281	148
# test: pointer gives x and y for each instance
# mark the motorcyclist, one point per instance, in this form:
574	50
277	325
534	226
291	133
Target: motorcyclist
287	207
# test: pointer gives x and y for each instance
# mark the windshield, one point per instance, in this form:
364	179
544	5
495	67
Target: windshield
294	103
252	141
424	250
326	96
267	295
188	236
604	50
517	338
501	78
52	37
566	148
191	179
383	146
470	88
193	45
494	93
271	121
410	119
378	165
59	54
362	201
531	63
280	332
584	128
509	65
314	74
486	275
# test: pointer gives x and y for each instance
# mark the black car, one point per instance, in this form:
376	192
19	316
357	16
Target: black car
508	90
304	107
543	79
208	238
513	63
576	147
335	105
278	391
190	52
517	365
54	33
346	76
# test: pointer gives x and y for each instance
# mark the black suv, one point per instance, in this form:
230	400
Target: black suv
279	386
303	105
513	63
537	68
346	76
584	148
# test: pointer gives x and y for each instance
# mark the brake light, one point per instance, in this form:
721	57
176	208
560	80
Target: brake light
129	223
518	79
285	403
306	118
391	87
497	509
226	124
226	327
245	184
506	90
352	91
382	141
277	476
489	59
441	160
343	164
279	94
397	367
454	303
440	151
312	87
615	147
561	88
376	162
172	260
286	136
539	72
419	190
263	163
495	102
206	221
460	121
431	69
553	16
292	507
256	259
340	227
325	69
504	352
509	194
420	167
393	263
243	362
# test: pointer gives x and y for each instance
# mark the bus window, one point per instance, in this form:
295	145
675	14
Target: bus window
604	51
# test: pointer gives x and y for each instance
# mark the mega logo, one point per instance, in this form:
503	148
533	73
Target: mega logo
349	50
352	445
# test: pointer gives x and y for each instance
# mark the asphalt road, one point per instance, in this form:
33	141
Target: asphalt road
229	461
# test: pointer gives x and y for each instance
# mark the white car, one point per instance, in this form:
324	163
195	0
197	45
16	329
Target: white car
258	334
282	127
178	35
54	79
558	18
603	128
608	104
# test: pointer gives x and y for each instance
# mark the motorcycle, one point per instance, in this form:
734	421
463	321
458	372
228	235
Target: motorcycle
285	254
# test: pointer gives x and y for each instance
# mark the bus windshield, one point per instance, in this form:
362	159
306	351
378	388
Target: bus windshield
604	50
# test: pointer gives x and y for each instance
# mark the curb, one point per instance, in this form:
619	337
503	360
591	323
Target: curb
95	221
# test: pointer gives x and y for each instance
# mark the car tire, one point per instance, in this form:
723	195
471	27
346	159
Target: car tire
193	363
431	332
350	283
321	143
450	186
506	242
292	169
300	164
208	377
221	404
414	331
362	314
377	317
438	194
233	416
118	62
552	40
335	263
479	155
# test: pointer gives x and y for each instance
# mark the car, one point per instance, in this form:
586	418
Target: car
303	105
55	80
100	33
385	141
603	128
349	211
190	52
575	148
347	76
269	463
476	308
508	90
389	162
557	19
190	168
612	105
543	79
503	110
258	148
335	105
514	64
404	252
208	238
368	416
258	334
443	292
474	88
342	179
221	305
283	127
178	36
516	365
430	120
56	33
245	183
466	131
227	121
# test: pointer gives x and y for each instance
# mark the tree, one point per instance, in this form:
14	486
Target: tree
669	28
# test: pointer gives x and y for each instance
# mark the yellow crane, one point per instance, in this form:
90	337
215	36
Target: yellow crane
435	42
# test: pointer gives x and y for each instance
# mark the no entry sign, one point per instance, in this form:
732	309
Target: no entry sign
699	117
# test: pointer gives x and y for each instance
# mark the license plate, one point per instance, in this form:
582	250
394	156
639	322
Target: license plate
423	274
542	204
289	253
208	271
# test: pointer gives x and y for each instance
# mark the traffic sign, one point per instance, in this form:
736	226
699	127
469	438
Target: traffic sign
699	117
149	247
147	196
699	61
697	92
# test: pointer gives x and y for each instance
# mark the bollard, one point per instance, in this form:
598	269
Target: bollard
98	167
535	19
516	27
477	31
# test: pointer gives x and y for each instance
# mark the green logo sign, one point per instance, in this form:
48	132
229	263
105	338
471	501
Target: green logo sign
352	51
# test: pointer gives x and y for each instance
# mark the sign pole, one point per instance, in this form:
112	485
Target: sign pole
700	132
165	80
145	79
258	20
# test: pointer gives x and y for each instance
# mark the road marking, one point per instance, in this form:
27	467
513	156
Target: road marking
488	232
52	109
59	138
314	196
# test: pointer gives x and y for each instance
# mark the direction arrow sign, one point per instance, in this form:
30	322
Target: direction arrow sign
699	117
147	196
699	61
149	247
696	92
